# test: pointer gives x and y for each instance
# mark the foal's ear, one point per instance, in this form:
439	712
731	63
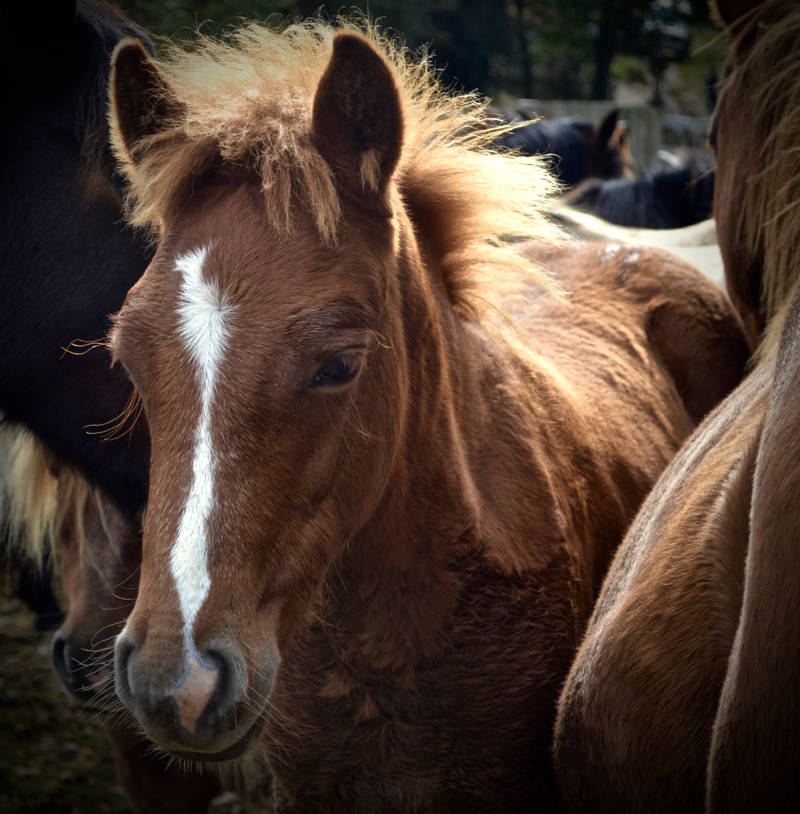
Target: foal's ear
606	129
142	102
357	122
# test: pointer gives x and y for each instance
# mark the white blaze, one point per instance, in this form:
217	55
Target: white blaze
202	314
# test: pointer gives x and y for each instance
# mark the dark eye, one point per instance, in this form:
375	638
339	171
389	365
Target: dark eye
338	370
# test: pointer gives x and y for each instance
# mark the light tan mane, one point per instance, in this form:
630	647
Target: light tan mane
249	100
768	79
36	505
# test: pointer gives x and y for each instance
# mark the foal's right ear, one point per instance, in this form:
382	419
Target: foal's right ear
142	102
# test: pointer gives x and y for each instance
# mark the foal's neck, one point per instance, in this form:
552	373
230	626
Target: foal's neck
455	489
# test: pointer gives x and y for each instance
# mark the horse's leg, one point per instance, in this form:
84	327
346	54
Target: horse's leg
755	752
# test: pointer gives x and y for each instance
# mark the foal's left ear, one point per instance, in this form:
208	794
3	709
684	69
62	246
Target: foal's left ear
142	102
357	122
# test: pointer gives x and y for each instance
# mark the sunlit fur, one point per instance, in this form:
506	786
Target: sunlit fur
38	503
249	101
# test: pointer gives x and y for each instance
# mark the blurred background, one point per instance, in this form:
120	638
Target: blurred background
619	50
658	61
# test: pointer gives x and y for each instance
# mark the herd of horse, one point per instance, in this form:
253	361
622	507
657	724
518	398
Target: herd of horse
395	499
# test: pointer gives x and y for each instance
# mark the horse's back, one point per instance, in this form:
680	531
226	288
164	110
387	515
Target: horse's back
627	363
636	713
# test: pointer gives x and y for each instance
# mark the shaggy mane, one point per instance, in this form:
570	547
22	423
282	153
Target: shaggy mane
768	76
248	100
35	505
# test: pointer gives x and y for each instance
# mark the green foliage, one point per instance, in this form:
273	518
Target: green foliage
182	18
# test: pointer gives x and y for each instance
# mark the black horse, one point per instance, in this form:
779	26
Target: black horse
67	258
663	199
66	264
578	148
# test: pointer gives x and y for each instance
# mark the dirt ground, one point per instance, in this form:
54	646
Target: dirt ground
55	759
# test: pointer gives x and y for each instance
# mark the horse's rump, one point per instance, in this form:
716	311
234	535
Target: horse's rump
642	692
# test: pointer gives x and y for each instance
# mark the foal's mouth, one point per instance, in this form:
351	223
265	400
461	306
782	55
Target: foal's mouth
234	751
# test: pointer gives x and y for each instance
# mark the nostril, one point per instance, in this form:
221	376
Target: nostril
122	654
59	655
223	695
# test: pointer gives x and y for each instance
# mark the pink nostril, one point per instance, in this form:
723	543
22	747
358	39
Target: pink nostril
194	695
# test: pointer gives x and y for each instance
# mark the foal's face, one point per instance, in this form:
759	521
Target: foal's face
263	366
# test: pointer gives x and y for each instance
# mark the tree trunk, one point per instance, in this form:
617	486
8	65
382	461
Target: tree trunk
527	64
604	48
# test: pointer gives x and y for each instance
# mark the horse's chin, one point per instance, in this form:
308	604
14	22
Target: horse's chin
232	752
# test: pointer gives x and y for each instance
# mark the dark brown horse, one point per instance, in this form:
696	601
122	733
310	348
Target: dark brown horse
576	148
683	696
68	261
379	509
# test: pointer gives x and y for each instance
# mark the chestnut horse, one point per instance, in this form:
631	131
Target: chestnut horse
683	696
379	506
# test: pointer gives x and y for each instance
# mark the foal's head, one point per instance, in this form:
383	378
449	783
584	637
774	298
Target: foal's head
271	342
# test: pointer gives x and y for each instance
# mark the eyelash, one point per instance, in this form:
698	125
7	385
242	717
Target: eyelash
338	370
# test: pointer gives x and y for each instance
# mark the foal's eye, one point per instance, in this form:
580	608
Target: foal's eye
338	370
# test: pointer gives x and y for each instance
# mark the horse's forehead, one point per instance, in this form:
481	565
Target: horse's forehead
270	298
275	287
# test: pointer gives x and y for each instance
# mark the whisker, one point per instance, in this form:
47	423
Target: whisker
80	347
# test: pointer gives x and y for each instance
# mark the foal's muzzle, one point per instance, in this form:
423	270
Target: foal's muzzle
198	706
85	676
